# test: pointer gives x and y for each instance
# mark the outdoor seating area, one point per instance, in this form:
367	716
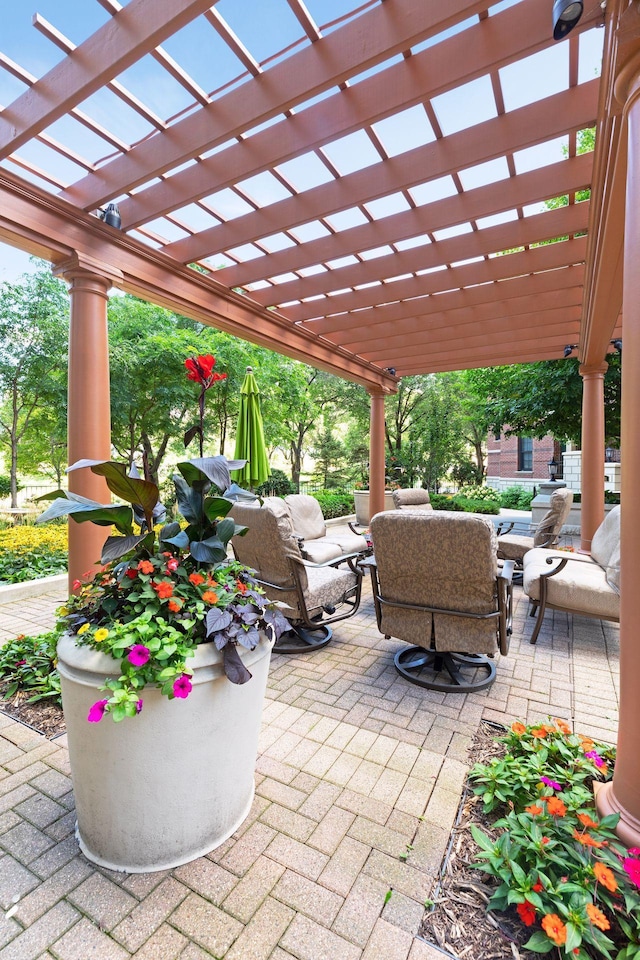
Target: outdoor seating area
358	783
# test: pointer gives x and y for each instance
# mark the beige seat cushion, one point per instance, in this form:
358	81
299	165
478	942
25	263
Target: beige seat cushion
319	551
306	516
606	538
513	547
581	587
612	571
347	542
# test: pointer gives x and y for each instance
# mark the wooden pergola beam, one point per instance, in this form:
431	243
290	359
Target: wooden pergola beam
139	27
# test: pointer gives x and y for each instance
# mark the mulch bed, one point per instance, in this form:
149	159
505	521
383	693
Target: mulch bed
459	923
44	716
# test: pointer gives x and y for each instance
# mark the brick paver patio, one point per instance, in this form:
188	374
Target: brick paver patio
358	782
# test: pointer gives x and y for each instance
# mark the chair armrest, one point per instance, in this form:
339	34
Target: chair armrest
562	562
357	528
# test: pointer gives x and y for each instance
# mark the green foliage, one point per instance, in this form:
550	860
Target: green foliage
609	497
563	870
28	665
516	498
470	505
445	501
334	503
5	485
278	485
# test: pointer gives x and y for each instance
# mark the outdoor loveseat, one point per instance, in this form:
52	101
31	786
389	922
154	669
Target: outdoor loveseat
318	542
574	582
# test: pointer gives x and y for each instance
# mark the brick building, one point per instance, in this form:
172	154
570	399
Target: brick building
521	461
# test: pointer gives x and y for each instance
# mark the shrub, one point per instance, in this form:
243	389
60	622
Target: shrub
335	503
28	552
609	497
278	485
5	485
445	501
516	498
28	665
471	505
480	493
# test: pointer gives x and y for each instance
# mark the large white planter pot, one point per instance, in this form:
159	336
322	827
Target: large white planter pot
361	497
172	783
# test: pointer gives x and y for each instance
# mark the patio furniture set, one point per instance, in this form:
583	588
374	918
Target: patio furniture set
442	581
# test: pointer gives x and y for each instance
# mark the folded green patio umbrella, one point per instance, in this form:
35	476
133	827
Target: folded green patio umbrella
250	445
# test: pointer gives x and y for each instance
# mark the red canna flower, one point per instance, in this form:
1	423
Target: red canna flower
200	370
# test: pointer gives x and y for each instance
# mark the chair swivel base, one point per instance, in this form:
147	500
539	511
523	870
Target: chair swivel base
301	639
429	668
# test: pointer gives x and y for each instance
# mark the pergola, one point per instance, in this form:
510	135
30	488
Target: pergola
367	195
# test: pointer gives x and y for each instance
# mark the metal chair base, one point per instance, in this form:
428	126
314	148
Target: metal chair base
303	640
425	667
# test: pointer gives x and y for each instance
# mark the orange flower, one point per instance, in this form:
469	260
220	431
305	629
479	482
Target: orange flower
196	579
540	732
210	597
554	928
587	841
586	742
242	587
175	606
563	727
597	917
605	876
163	589
555	806
533	809
145	566
586	821
518	728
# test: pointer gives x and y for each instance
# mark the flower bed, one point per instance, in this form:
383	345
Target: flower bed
560	867
29	552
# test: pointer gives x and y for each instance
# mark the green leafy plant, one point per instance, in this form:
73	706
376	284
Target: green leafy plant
28	664
516	498
480	493
561	868
172	585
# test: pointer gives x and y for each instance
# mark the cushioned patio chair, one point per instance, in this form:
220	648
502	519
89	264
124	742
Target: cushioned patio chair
411	500
311	595
318	542
436	585
513	546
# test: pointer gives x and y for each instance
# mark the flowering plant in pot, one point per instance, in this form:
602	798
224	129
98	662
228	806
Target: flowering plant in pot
175	616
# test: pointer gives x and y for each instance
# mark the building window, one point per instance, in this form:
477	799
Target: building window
525	454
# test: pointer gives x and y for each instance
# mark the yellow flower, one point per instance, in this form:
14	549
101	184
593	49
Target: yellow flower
84	628
100	635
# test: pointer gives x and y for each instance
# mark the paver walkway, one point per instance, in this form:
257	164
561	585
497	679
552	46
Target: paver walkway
358	783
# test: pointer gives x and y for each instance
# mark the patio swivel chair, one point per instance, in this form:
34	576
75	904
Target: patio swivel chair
436	585
411	500
513	546
311	595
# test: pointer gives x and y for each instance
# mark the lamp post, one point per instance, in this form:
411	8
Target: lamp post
553	469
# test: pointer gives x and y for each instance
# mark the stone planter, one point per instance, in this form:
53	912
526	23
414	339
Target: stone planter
361	498
165	787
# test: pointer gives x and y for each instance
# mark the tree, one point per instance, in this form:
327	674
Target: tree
535	399
34	332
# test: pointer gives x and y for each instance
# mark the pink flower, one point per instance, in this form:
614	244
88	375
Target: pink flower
551	783
632	869
138	655
595	756
139	705
182	686
97	711
172	565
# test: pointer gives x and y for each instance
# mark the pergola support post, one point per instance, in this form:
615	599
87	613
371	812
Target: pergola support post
376	453
622	794
88	411
592	480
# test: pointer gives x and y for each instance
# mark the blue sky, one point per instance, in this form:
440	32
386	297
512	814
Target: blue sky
265	27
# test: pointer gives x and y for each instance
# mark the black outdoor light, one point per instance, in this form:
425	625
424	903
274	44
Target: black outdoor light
553	469
568	350
566	14
616	344
111	216
391	370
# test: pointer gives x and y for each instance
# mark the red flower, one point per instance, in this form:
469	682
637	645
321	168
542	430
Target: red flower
196	579
242	587
537	887
131	573
555	807
172	565
527	913
145	566
175	606
200	370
